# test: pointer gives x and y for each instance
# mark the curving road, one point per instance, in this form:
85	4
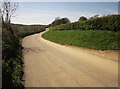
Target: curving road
48	64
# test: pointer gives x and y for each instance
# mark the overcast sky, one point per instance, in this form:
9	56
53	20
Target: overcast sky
46	12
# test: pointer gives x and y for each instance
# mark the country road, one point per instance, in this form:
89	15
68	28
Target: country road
47	64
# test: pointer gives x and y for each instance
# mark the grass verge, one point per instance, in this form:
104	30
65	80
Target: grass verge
93	39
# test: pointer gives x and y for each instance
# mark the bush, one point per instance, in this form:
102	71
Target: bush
11	60
12	53
110	23
59	21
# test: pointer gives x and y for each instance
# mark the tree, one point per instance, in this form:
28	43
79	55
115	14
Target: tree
6	12
59	21
65	20
95	16
57	18
82	18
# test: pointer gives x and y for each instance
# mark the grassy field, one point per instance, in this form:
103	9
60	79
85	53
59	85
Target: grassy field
94	39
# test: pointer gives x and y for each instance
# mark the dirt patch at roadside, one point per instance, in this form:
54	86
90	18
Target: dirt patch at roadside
107	54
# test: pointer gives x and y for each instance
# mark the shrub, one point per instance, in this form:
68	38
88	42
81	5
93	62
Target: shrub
110	23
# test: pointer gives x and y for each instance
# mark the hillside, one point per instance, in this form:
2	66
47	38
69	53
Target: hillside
99	33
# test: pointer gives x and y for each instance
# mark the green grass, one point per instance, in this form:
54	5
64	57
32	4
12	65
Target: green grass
94	39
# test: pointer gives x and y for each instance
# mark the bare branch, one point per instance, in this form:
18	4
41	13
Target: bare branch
8	9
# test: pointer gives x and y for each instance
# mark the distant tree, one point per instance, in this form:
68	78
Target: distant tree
57	18
65	20
58	21
109	15
95	16
82	18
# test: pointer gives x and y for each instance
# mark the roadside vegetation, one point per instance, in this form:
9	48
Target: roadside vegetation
12	70
12	64
98	33
24	30
94	39
109	23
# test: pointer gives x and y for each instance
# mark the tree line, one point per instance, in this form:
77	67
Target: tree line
65	20
110	23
